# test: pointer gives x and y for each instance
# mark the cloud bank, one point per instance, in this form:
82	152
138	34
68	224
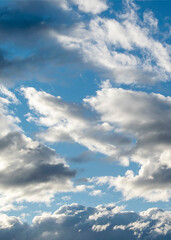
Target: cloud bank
78	222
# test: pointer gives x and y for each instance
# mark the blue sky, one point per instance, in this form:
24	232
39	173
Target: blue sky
85	136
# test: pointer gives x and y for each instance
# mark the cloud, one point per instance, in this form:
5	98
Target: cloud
83	157
123	124
100	228
29	47
123	47
74	222
96	193
9	95
88	6
66	198
71	122
145	116
41	42
29	170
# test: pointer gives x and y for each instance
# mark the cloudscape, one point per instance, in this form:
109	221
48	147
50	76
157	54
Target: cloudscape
85	120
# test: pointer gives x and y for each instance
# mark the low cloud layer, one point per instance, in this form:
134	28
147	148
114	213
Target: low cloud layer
78	222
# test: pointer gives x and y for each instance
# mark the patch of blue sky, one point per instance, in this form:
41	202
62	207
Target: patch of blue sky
140	204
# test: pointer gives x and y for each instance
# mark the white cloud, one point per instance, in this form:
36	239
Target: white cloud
100	228
72	122
89	6
10	95
7	222
147	118
124	47
132	126
96	193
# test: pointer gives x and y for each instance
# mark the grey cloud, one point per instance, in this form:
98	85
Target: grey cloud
25	17
76	222
31	165
29	170
158	179
26	30
83	157
146	117
39	174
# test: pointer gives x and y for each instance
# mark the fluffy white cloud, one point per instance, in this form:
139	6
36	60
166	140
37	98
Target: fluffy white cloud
89	6
73	122
147	118
74	222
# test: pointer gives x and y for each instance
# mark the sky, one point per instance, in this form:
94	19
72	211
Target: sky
85	133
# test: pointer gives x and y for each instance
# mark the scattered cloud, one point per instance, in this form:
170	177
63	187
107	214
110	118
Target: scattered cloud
122	47
71	122
126	125
29	170
43	40
146	116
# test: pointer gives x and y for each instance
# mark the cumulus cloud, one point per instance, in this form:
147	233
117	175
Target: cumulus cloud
146	116
125	125
29	170
88	6
74	222
70	122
